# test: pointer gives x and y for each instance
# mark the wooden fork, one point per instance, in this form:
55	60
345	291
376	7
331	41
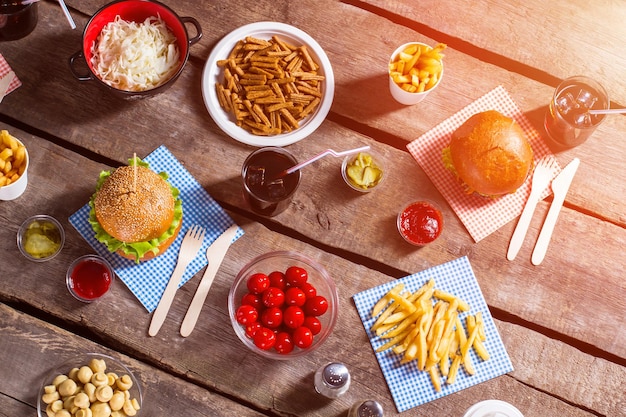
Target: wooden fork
192	242
541	179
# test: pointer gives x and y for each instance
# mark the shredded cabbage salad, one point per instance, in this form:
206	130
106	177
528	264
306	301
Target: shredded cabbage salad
135	56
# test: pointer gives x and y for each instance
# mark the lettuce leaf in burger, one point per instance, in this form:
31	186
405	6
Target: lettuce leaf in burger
135	212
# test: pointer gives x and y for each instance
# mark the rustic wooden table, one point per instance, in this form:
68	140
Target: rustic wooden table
562	322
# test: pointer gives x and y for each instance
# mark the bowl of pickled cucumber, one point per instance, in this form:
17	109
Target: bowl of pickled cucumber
40	238
363	171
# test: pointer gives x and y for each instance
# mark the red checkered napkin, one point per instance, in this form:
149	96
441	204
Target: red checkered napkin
4	70
481	216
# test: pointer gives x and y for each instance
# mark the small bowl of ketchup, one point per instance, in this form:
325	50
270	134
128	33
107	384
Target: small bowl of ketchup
420	223
89	278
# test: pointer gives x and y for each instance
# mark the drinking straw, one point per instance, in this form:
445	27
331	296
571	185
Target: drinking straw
67	14
61	3
607	111
320	155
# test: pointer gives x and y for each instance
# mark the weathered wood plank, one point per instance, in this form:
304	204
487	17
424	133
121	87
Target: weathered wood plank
213	347
31	348
575	293
30	344
336	221
539	356
9	407
90	118
561	38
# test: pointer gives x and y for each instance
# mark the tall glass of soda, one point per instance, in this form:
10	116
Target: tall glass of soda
568	122
266	187
16	19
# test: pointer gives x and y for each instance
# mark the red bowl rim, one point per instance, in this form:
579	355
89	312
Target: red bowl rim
138	11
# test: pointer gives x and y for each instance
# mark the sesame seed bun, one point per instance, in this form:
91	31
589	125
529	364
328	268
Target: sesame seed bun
490	154
137	215
136	212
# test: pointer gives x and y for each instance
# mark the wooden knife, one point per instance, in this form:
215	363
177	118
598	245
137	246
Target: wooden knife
215	255
560	186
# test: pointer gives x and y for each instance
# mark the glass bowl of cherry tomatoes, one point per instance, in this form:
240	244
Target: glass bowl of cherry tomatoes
283	305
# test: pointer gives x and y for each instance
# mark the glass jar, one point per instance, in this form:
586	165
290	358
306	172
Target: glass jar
17	20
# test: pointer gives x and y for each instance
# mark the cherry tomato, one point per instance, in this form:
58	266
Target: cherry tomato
309	290
302	337
272	317
284	344
316	306
246	314
313	323
296	276
295	297
252	300
264	338
273	297
277	279
293	317
252	328
257	283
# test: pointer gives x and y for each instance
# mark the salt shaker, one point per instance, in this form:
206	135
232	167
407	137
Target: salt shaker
368	408
332	380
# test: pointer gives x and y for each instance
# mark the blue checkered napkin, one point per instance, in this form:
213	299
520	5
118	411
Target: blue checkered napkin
149	279
409	386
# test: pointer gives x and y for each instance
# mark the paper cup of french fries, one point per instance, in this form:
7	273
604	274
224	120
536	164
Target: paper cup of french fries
13	166
415	69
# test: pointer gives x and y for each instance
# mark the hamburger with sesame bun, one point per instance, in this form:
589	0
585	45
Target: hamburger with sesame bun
489	154
135	212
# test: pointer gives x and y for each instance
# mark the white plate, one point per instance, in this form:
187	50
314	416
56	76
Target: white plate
212	74
493	408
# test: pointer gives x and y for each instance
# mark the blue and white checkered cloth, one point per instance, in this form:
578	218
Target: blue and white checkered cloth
409	386
147	281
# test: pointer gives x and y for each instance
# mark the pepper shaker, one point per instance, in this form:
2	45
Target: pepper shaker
368	408
332	380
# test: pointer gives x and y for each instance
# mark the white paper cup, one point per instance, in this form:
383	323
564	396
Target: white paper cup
403	96
17	188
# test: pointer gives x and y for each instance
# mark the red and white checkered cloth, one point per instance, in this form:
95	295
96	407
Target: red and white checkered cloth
4	70
480	215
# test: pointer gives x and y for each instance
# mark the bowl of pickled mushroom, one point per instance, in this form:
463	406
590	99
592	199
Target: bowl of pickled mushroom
135	48
90	385
40	238
283	305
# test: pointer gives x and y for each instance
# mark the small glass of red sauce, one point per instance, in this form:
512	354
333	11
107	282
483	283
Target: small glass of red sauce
89	278
420	223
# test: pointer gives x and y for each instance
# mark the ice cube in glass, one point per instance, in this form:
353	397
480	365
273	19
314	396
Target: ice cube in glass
276	188
565	103
583	120
586	99
255	175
